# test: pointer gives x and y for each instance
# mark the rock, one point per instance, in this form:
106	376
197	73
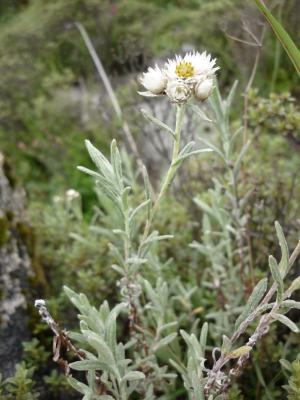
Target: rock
14	272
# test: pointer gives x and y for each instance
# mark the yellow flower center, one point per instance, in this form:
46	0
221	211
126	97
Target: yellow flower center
185	69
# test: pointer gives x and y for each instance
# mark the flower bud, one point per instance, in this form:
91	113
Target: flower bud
204	88
178	91
154	80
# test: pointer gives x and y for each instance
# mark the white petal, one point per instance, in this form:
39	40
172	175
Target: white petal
148	94
202	62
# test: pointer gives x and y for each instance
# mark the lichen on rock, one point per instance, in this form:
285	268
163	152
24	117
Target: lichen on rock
14	272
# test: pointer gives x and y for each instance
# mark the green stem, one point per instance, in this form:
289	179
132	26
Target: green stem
171	171
127	239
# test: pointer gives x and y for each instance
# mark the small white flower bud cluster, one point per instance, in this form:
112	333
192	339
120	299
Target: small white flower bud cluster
69	196
72	194
182	78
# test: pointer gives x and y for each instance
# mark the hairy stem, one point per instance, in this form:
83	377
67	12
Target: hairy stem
170	173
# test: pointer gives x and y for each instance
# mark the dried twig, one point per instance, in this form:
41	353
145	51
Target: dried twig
60	339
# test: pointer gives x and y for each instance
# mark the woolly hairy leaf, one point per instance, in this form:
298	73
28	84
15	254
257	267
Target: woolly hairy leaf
111	327
167	326
186	149
193	344
138	209
79	386
253	301
286	321
156	238
86	365
147	190
116	160
203	335
212	147
294	286
277	277
157	122
241	351
89	171
151	293
165	341
226	345
185	153
239	160
198	111
75	299
179	368
99	160
104	310
104	352
231	95
284	262
133	376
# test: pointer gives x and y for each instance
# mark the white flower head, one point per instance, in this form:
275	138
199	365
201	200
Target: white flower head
192	67
178	91
154	80
182	77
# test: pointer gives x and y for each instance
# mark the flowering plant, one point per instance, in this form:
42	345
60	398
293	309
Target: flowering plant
145	362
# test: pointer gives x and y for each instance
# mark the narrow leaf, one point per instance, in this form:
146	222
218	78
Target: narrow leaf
253	301
80	387
165	341
157	122
239	160
284	262
116	160
147	190
88	171
241	351
104	352
231	95
133	376
277	277
294	286
286	321
284	38
226	345
137	210
192	153
212	147
198	111
203	336
100	161
87	365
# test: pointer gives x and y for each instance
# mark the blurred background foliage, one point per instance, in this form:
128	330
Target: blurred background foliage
52	99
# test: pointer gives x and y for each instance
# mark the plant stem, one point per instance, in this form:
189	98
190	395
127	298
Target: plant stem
171	171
